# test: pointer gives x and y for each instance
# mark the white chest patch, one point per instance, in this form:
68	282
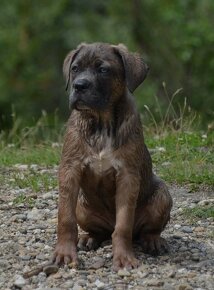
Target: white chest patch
103	161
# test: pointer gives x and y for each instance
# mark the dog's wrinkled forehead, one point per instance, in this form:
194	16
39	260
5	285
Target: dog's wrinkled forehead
91	53
117	55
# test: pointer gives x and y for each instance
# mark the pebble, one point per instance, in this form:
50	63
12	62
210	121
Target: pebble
184	287
77	287
18	217
47	288
155	283
171	274
50	269
21	166
25	258
123	273
28	237
199	229
48	195
176	226
20	282
195	258
99	263
34	214
99	284
42	277
186	229
206	202
183	249
4	264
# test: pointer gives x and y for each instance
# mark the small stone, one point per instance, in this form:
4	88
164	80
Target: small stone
195	258
123	273
48	288
26	258
81	282
42	277
4	264
183	249
48	195
171	274
186	229
18	217
77	287
57	276
33	166
155	283
184	287
177	237
99	284
21	166
34	215
68	285
191	275
50	269
20	282
99	263
199	229
206	202
176	226
166	163
41	257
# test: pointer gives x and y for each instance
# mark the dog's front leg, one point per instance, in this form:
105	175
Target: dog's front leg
66	248
126	197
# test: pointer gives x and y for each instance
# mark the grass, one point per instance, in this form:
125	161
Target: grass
202	212
24	199
183	157
43	154
181	152
34	181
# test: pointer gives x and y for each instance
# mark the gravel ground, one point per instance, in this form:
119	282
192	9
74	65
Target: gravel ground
28	236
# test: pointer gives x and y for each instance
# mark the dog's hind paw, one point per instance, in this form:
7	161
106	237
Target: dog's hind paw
87	243
154	244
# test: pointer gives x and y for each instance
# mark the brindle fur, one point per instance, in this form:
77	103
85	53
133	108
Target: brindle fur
106	181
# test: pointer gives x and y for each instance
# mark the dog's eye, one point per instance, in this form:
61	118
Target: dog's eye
74	68
103	70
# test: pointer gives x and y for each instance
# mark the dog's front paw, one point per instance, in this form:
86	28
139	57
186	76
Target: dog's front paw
65	252
126	260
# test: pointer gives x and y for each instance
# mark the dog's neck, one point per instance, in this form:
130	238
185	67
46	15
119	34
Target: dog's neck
112	127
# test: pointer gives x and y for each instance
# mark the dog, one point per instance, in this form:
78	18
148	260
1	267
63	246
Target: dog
106	182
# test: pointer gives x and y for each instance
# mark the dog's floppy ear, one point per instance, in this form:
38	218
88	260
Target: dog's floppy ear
68	62
135	68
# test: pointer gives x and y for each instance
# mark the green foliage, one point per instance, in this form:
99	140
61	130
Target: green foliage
34	181
183	157
175	37
199	212
44	154
22	198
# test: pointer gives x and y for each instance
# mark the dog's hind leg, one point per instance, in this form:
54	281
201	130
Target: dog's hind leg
96	227
152	218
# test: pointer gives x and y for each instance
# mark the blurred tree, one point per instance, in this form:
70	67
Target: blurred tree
175	37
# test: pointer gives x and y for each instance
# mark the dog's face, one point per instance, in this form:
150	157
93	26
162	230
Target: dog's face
97	75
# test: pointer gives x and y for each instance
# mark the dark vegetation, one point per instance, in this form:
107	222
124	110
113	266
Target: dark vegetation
175	37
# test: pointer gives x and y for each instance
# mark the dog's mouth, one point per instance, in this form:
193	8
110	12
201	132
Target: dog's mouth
81	106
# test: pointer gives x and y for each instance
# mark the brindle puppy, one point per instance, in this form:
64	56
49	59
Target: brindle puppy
106	181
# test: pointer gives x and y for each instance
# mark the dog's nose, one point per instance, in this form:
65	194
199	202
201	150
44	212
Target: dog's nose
81	85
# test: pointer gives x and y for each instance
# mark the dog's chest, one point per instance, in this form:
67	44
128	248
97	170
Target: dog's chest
104	160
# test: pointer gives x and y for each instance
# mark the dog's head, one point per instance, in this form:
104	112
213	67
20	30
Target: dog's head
98	74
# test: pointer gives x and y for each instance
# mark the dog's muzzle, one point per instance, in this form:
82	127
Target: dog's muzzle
81	85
